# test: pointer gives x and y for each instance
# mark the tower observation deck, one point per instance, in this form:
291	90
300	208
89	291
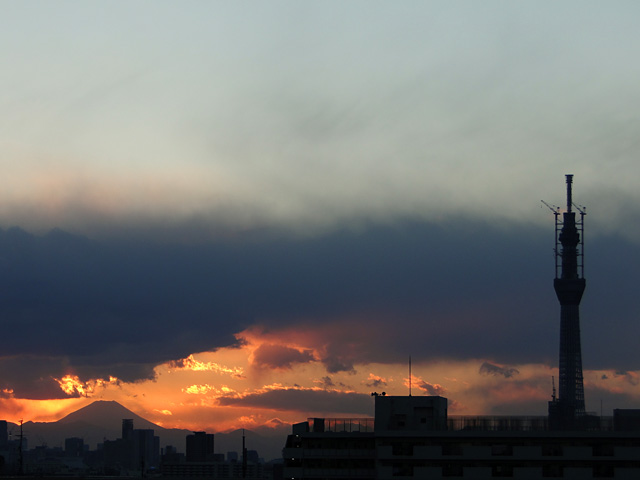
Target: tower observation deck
568	410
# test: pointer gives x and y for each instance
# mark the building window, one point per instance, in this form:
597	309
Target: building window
398	421
552	450
502	471
452	470
605	450
552	471
603	471
402	470
505	450
452	449
402	448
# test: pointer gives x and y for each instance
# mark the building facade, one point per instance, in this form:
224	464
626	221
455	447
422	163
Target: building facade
413	437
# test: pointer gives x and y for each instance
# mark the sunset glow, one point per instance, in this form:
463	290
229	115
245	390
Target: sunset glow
209	390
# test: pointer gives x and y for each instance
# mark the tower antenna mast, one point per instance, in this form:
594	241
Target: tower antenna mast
567	411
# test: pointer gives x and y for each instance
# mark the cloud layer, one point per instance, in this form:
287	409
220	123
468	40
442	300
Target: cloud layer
458	291
225	119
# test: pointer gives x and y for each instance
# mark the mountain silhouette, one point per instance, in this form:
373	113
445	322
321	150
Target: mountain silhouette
102	420
106	414
95	423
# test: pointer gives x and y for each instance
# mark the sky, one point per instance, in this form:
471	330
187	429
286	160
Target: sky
240	214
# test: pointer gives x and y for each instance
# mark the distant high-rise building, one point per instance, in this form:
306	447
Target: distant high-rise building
127	428
137	449
567	411
146	449
253	456
4	436
74	447
199	447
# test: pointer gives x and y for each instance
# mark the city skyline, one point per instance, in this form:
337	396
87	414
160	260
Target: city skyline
231	215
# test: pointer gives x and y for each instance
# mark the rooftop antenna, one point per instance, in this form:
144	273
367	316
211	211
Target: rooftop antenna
556	252
409	375
244	457
20	457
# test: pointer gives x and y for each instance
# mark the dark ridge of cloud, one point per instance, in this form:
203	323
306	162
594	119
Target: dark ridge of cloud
335	365
376	382
630	377
304	400
457	290
280	356
327	382
431	388
33	377
490	369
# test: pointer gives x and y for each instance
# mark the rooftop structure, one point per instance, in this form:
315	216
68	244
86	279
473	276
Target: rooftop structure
413	437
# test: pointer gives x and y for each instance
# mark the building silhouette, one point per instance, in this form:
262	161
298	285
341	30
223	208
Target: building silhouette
202	462
200	447
74	447
137	451
127	428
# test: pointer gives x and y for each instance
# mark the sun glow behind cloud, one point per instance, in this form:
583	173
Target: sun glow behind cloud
222	399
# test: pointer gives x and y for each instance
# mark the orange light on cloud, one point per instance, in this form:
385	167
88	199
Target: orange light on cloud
190	363
221	390
14	410
207	389
72	385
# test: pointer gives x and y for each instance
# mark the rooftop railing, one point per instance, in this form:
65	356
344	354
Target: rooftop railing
487	423
507	423
341	424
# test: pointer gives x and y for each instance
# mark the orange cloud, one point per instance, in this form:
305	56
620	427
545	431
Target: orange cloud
190	363
6	393
198	389
206	389
375	381
73	386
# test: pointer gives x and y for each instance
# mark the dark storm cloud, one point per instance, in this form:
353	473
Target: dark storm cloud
303	400
490	369
280	356
629	377
32	376
456	290
326	382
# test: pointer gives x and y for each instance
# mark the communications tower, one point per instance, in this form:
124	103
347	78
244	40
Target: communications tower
567	411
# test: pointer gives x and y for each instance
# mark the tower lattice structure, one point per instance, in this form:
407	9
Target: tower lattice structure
567	410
